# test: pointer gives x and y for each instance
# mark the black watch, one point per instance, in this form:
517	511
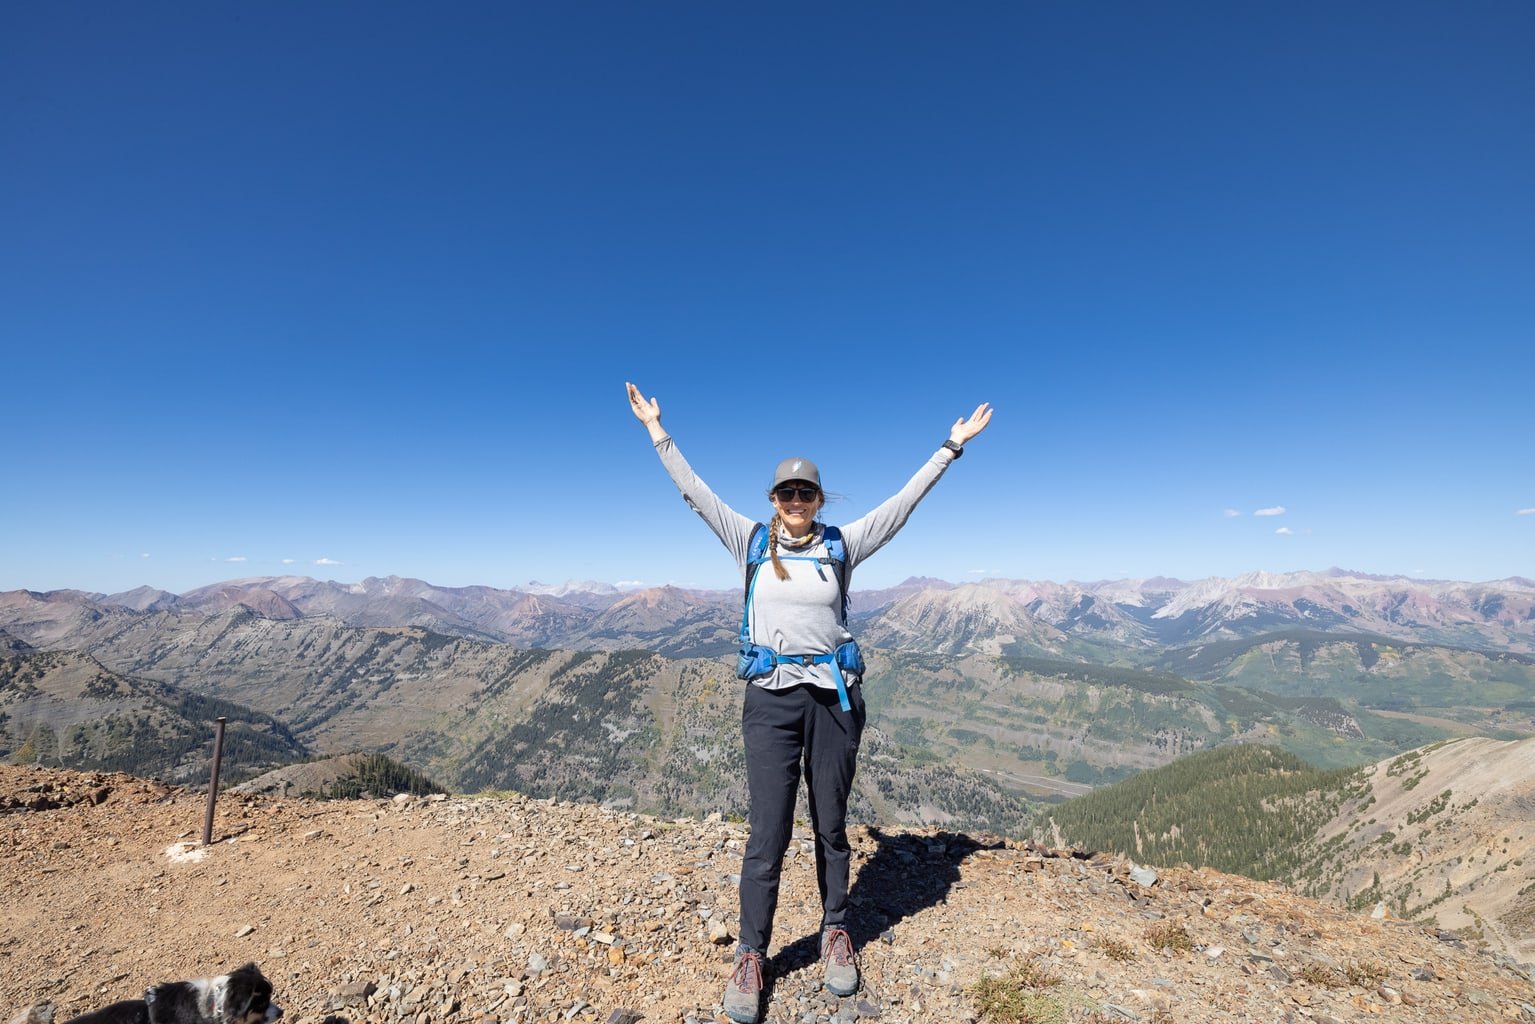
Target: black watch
957	449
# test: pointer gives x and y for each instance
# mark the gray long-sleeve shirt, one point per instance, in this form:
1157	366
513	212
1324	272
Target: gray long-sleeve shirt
803	614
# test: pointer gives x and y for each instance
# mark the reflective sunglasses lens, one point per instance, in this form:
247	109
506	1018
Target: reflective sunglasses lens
802	493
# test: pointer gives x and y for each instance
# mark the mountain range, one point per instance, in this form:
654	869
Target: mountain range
1030	688
925	615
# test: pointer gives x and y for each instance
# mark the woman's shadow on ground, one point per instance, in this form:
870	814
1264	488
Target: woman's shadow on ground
906	875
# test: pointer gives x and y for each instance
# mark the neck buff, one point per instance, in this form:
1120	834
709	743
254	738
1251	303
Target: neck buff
799	542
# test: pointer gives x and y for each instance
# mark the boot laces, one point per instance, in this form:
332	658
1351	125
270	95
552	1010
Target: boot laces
839	947
748	973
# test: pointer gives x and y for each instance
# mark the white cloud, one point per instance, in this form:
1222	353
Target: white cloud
1231	513
1525	512
1285	531
235	558
1277	510
289	561
980	572
326	561
144	555
630	584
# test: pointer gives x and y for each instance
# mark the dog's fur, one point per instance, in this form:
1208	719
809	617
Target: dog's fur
243	996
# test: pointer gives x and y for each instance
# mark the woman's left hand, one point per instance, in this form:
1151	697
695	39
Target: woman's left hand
963	429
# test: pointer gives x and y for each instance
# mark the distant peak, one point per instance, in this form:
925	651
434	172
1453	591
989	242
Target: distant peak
924	581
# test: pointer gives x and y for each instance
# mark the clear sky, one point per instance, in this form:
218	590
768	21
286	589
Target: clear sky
352	289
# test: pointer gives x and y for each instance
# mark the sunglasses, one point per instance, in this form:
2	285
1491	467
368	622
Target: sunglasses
787	493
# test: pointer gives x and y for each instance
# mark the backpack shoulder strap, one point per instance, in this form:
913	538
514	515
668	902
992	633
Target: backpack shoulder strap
756	546
756	554
836	550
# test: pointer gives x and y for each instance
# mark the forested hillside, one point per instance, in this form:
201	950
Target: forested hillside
1247	809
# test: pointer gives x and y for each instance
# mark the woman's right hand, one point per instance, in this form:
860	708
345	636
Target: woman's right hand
647	411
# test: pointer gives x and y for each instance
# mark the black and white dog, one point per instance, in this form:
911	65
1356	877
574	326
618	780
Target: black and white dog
243	996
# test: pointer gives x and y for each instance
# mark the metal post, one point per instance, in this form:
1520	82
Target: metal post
213	784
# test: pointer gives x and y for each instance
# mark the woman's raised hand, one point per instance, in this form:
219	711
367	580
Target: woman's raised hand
647	411
963	429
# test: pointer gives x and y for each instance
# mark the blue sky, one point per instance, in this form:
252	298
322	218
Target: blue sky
352	290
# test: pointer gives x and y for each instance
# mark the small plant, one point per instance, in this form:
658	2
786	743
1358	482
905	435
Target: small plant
1322	977
1031	975
1015	1006
1013	998
996	952
1116	950
1170	936
1363	974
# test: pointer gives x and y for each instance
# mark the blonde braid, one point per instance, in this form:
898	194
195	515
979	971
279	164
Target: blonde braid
778	567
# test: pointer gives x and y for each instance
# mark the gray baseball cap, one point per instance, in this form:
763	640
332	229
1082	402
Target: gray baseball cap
796	469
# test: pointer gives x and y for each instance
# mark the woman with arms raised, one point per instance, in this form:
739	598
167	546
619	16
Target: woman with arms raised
803	702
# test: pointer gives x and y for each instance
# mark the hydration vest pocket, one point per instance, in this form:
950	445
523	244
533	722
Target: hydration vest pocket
755	660
849	658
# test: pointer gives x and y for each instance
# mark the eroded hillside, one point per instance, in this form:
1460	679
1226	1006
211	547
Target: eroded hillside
1444	835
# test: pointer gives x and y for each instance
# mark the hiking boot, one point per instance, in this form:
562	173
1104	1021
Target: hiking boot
743	993
841	966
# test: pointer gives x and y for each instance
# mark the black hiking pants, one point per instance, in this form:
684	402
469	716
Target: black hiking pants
784	729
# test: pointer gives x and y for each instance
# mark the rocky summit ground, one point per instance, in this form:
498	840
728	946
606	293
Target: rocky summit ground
506	909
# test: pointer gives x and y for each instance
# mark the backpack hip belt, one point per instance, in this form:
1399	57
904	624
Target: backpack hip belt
757	660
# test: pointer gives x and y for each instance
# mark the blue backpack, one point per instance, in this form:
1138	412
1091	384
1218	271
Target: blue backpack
758	660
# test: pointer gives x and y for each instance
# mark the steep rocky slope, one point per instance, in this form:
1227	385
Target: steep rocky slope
440	911
1443	834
